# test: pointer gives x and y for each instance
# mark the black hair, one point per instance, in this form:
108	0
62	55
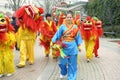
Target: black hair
13	17
70	12
47	15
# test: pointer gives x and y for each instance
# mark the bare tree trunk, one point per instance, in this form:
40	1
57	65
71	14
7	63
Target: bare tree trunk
48	5
15	4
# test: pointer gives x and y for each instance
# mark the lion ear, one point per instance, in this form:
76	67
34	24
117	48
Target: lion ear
7	19
88	18
41	10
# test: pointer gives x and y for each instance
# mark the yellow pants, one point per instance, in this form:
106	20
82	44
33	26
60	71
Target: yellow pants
47	51
89	47
26	51
6	61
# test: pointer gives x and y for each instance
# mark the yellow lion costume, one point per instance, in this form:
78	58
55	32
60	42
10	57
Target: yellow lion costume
7	42
29	19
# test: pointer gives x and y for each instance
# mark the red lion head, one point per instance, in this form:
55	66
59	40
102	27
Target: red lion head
5	26
30	16
88	29
98	24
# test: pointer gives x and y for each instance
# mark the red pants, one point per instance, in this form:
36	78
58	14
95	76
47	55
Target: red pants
96	47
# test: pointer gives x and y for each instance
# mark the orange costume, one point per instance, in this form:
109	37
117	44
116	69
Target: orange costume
29	20
89	36
47	32
98	25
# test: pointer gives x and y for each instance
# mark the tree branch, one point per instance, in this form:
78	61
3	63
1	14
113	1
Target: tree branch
39	3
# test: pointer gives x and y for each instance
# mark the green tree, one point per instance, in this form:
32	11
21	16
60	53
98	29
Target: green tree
107	10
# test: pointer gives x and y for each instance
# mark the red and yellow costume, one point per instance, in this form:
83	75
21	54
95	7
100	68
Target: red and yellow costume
77	21
29	20
7	42
89	36
47	32
98	25
61	19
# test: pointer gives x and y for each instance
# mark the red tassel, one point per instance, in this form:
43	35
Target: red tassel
45	44
41	10
100	31
57	53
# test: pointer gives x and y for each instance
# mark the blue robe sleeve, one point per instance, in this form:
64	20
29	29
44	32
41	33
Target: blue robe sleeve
78	38
58	34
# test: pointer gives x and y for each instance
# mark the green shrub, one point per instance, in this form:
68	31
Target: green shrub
115	29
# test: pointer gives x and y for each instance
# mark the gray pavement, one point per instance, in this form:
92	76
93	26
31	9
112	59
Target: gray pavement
107	67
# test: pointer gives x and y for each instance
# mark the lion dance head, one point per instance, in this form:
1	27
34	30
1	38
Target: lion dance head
5	27
88	28
30	16
98	24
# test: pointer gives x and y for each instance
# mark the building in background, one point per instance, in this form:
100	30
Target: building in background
7	9
5	5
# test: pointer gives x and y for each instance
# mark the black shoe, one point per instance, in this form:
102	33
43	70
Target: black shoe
88	60
97	56
47	55
55	57
17	49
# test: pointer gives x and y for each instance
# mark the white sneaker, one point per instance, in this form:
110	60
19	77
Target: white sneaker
9	75
1	75
61	76
88	60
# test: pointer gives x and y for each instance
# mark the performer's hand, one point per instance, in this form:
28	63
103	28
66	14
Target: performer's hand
51	44
79	48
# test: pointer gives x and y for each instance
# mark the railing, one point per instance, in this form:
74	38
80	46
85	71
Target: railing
113	34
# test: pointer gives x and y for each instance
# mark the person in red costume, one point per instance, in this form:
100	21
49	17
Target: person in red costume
98	25
61	19
89	36
77	20
47	32
29	19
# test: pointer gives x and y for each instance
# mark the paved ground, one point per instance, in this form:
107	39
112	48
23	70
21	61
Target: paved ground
107	67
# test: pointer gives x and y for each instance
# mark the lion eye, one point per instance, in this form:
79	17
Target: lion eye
2	20
88	21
